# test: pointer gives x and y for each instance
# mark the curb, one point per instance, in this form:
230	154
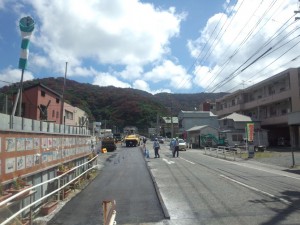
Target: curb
161	201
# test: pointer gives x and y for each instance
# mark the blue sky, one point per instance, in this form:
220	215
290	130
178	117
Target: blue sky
173	46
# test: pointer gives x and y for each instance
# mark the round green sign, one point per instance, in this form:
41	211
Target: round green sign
26	24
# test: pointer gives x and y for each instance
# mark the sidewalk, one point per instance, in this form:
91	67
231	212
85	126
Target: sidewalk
275	159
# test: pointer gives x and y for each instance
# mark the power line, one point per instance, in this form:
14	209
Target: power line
244	41
233	74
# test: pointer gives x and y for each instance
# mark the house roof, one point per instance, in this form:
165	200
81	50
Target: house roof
168	119
43	86
198	128
196	114
236	117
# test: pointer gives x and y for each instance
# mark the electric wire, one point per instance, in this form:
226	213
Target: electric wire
223	66
264	75
258	73
201	52
245	40
224	81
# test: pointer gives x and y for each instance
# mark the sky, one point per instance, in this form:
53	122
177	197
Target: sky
172	46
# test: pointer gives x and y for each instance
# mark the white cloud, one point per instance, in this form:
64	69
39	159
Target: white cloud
223	55
141	85
175	76
105	79
131	72
2	4
109	32
9	75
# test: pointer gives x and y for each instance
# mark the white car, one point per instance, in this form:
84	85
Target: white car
182	145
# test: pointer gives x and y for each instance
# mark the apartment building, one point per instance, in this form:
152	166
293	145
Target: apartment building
274	101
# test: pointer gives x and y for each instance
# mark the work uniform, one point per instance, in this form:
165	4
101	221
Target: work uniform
156	147
176	150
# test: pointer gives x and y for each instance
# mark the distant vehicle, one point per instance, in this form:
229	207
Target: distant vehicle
132	140
182	145
117	137
109	144
160	139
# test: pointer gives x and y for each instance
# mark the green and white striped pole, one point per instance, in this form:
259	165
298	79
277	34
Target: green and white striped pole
26	25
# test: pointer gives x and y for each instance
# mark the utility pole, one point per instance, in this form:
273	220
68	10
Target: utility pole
157	128
172	126
297	11
63	97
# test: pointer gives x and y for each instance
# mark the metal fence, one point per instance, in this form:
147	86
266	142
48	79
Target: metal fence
221	152
60	187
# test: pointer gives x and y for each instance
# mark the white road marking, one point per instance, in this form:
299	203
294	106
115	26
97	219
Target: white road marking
187	160
267	170
169	162
257	190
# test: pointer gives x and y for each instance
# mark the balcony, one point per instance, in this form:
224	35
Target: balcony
267	100
283	119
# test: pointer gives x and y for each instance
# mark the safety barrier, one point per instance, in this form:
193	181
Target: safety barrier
221	151
109	212
15	215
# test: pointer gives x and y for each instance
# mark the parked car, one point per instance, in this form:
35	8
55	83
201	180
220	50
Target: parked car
182	145
161	139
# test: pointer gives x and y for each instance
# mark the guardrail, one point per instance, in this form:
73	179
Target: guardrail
221	151
15	215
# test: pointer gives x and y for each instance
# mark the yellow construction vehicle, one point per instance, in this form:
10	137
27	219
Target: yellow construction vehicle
132	140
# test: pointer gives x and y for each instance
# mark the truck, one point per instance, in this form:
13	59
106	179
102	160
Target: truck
109	144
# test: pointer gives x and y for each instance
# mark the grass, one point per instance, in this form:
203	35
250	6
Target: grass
259	155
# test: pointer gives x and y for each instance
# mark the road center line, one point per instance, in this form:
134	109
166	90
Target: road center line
257	190
187	160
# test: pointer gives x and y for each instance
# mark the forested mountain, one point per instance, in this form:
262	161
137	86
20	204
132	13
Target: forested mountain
121	106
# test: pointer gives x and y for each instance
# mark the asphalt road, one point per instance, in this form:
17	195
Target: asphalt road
192	189
123	178
209	190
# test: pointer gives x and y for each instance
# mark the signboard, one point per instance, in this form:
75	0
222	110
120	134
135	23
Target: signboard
151	130
250	132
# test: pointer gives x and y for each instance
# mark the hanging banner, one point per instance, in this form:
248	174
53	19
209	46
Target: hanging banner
250	131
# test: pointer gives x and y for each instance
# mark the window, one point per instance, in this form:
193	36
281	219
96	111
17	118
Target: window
272	111
53	113
233	102
283	111
68	115
43	93
57	100
57	114
43	112
237	137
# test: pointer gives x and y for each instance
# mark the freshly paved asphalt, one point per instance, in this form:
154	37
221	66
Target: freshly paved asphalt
123	179
129	182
